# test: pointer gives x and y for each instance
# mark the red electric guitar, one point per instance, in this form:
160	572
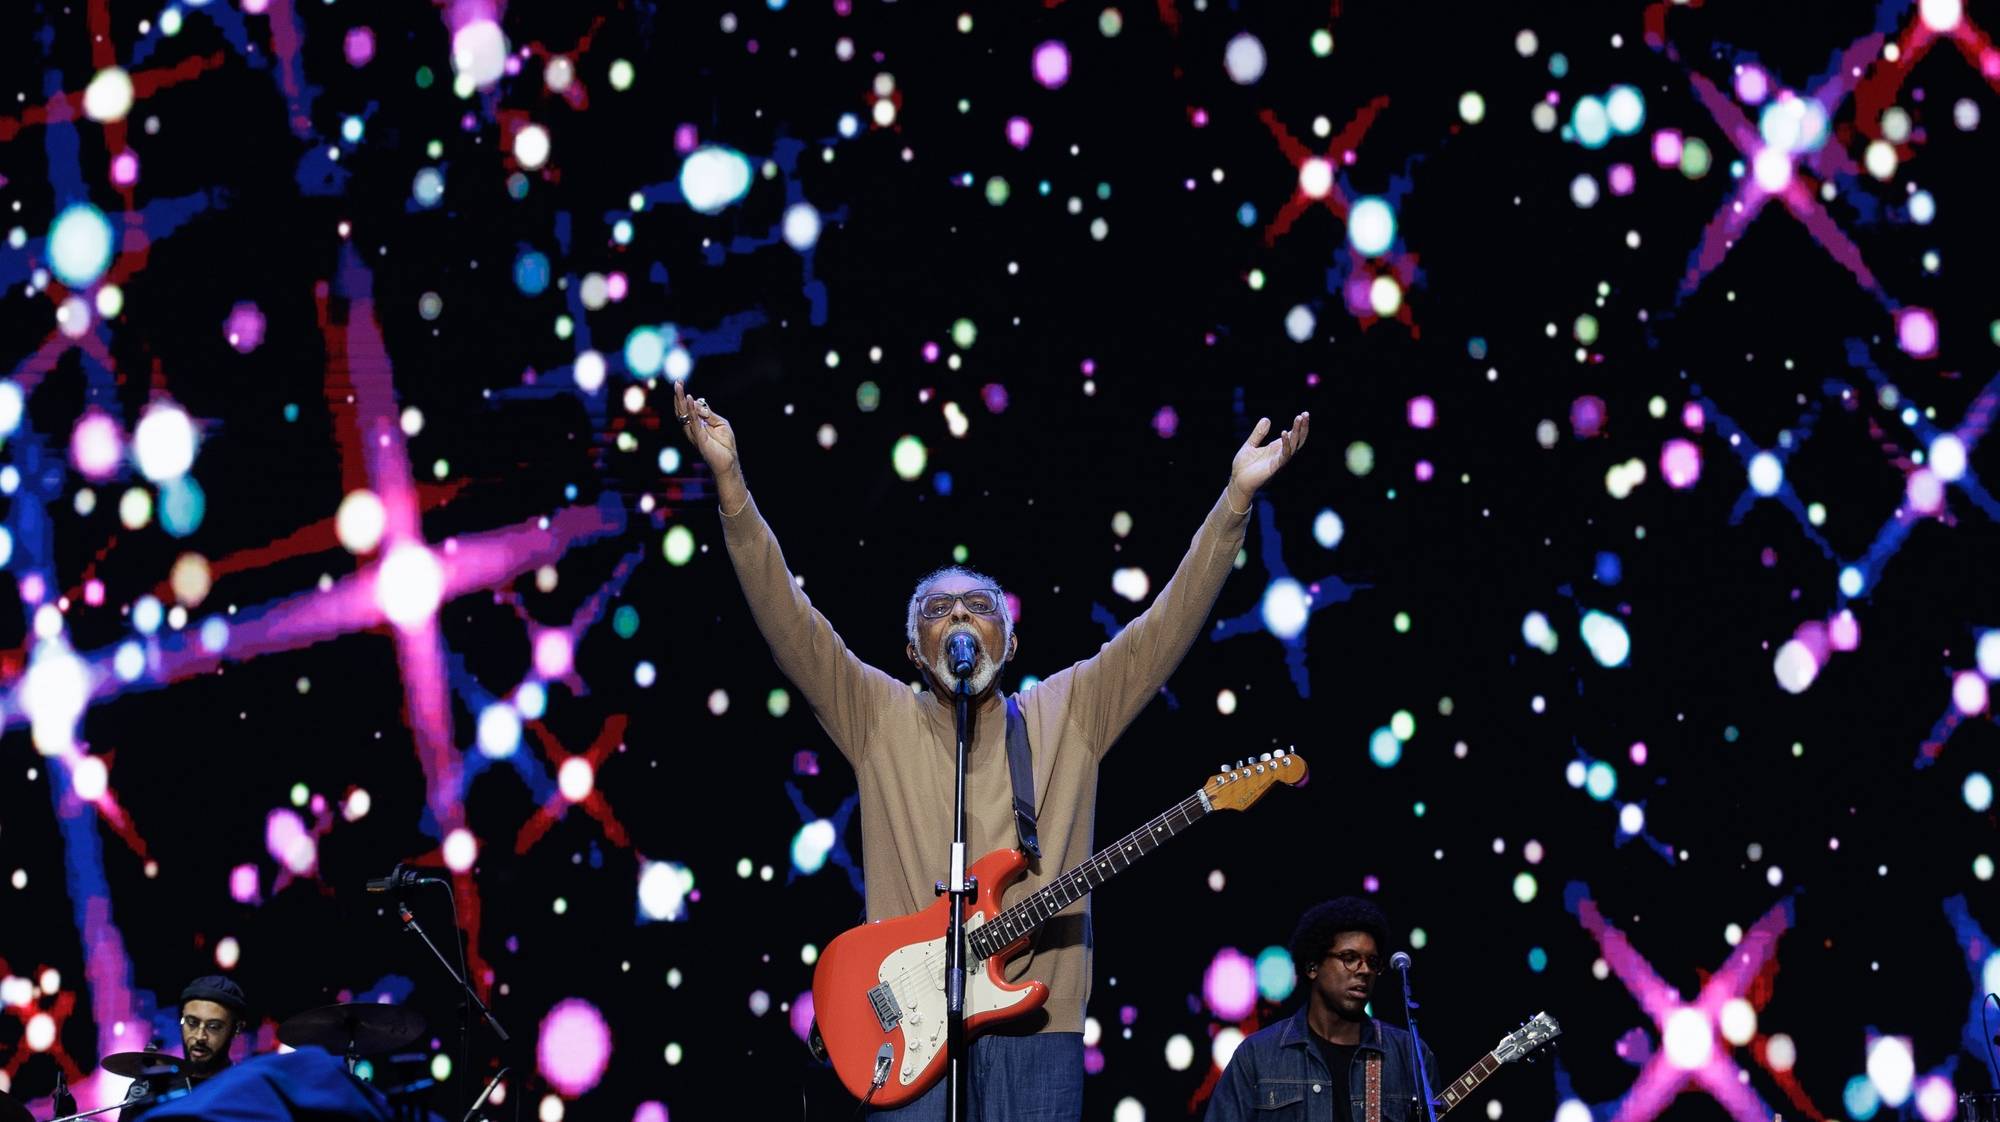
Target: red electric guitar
878	991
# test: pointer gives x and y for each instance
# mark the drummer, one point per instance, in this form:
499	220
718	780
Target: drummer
213	1012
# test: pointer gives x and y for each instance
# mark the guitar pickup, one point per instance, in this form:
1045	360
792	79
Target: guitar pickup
886	1010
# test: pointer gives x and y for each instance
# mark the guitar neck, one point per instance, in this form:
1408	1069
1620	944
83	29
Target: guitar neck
1025	917
1462	1086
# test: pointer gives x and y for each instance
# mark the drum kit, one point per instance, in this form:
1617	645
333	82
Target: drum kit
354	1031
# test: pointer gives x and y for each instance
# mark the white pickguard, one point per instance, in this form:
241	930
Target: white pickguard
915	974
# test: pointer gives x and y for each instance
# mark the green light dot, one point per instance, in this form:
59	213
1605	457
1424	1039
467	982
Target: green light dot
909	457
1402	623
1110	22
997	191
565	327
1993	332
1322	42
1403	724
1585	329
964	333
1418	810
621	75
425	78
1103	191
517	186
778	703
1445	706
440	469
1418	937
960	555
964	105
561	906
743	869
300	793
1256	280
867	396
441	1067
625	621
1525	887
1695	158
1360	457
1798	749
678	545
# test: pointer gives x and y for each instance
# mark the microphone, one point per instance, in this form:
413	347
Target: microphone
402	878
1399	961
962	651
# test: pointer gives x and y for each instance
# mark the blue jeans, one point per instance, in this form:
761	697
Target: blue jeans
1035	1078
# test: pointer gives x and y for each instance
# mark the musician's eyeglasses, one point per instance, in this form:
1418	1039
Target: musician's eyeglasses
978	601
205	1028
1352	960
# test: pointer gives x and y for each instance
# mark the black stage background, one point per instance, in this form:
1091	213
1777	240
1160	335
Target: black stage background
1148	274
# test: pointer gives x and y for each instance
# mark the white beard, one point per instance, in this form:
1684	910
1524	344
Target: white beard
983	671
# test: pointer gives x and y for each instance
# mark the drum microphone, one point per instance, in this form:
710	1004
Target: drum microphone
403	878
1399	961
963	652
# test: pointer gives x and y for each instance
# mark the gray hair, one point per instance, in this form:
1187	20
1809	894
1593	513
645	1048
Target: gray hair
923	586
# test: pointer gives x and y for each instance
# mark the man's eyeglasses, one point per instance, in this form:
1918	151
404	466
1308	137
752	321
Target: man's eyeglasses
1352	960
979	601
205	1028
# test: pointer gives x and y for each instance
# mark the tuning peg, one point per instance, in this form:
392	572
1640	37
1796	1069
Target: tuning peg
1281	753
1239	765
1266	757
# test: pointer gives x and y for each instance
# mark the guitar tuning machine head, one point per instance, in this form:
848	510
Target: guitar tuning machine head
1266	757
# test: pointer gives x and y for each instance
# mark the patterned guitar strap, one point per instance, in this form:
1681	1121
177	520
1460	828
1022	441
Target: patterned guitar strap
1372	1104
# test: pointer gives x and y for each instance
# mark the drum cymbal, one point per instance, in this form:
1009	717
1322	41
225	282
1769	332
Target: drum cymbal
365	1029
143	1065
11	1111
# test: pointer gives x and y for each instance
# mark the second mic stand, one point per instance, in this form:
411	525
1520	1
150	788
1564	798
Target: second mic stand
1417	1046
961	890
472	1000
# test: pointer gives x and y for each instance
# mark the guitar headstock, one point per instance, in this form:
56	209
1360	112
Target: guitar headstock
1235	788
1519	1044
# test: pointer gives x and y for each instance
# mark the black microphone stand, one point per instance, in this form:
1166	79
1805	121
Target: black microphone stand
472	1000
1417	1046
961	889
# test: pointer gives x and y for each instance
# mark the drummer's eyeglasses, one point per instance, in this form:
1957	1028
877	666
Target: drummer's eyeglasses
206	1028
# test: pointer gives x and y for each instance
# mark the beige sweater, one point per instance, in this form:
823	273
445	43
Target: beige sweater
901	744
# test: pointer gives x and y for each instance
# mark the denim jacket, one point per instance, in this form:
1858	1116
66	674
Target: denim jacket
1277	1075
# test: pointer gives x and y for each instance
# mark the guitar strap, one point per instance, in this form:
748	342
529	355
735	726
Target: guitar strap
1372	1103
1021	769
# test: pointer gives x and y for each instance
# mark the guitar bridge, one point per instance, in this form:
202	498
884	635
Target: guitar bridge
886	1010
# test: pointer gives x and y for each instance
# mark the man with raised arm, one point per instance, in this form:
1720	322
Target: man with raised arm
903	747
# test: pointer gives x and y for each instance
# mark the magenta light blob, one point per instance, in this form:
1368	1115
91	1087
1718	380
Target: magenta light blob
686	139
1019	132
1052	64
1586	416
574	1047
1680	463
554	654
1371	884
125	168
1424	471
1421	411
95	445
93	592
1844	631
1622	179
244	328
995	396
1639	753
243	884
931	352
1667	148
360	46
1166	422
1229	985
1093	1061
1752	85
1812	635
1925	491
652	1111
1089	367
1917	332
802	1015
1693	417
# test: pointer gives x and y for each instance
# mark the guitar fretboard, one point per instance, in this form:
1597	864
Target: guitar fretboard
1463	1085
1023	918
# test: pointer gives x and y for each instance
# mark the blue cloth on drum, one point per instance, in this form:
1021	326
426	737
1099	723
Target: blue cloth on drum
309	1085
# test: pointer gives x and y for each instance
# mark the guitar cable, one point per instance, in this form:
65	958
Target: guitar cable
883	1058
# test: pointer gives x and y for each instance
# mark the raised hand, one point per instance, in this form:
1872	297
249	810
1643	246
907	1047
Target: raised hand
712	437
1256	462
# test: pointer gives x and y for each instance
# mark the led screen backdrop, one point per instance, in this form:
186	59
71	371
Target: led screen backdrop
1634	603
